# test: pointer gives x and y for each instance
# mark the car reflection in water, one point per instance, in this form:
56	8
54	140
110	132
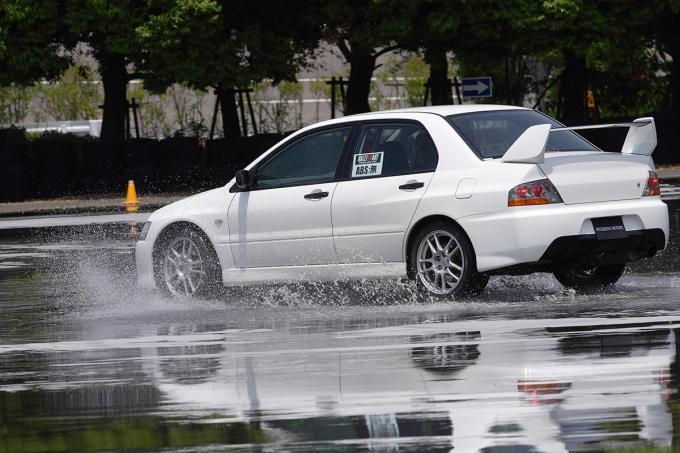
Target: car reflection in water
408	387
309	400
637	412
447	352
588	394
190	364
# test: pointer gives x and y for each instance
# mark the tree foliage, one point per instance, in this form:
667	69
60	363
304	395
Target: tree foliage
14	103
223	45
207	43
109	28
75	95
657	22
626	52
436	33
363	31
598	46
33	42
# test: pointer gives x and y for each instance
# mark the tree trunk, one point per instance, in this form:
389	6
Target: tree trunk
440	88
574	86
230	121
115	79
359	86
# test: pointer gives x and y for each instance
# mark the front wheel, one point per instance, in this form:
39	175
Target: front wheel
186	265
583	277
444	262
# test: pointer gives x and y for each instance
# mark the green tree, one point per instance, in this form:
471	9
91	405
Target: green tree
626	81
659	21
74	96
32	41
279	109
492	39
579	25
416	74
435	32
605	47
109	29
225	45
29	52
363	31
153	119
577	38
187	105
321	90
15	103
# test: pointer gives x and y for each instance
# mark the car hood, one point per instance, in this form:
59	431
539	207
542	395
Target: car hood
208	201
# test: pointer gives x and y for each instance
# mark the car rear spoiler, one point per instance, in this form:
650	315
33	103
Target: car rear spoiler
530	146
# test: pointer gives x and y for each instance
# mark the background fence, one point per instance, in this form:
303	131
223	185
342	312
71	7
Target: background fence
52	168
60	165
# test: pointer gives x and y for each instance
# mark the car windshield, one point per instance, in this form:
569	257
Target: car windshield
490	134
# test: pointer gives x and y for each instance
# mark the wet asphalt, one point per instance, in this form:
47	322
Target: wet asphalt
90	363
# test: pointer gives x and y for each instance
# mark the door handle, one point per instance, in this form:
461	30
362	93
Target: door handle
316	195
411	185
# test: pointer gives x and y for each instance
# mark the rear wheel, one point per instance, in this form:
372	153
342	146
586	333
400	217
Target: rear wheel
186	265
584	277
444	263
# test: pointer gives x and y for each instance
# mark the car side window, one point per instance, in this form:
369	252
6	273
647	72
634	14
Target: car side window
393	149
311	159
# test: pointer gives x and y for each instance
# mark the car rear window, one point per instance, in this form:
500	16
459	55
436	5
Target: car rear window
490	134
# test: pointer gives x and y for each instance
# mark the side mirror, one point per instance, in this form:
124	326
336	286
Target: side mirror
242	180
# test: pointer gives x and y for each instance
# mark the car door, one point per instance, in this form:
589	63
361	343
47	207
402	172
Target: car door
383	180
285	219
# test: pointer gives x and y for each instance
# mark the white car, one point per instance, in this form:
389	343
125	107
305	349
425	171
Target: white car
444	195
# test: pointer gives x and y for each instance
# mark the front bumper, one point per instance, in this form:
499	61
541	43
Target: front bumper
522	235
144	263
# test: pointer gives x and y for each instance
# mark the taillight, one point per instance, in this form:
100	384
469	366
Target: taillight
533	193
652	188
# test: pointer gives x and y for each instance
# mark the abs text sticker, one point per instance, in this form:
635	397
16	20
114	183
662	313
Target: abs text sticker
369	164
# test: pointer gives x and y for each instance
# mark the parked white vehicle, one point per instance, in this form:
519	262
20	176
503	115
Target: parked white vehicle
444	195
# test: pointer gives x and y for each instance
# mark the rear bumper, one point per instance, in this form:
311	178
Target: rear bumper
637	244
523	235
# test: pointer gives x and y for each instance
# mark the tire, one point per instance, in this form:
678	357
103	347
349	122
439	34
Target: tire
186	265
580	277
457	274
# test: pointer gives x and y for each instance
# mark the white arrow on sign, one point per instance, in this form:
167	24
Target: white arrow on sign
479	87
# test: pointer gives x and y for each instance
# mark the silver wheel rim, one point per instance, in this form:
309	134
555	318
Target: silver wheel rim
440	262
183	269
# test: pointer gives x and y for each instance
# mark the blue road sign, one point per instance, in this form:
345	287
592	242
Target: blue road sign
477	87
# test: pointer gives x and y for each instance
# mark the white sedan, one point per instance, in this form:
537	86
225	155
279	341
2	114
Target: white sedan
445	195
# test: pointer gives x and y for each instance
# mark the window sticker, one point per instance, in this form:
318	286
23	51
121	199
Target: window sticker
369	164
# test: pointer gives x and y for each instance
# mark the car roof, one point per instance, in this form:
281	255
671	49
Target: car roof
440	110
446	110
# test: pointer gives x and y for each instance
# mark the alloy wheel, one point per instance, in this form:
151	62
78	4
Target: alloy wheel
183	269
440	262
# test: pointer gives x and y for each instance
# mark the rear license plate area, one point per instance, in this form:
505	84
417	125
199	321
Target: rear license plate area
609	228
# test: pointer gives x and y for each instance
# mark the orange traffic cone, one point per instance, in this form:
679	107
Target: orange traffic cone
131	200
